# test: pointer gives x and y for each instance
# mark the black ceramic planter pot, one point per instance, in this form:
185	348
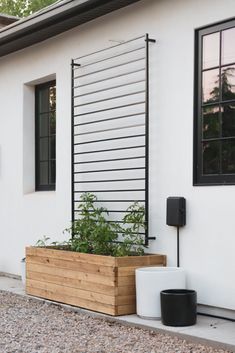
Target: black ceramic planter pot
179	307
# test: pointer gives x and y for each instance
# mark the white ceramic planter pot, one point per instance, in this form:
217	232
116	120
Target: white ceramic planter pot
23	271
150	281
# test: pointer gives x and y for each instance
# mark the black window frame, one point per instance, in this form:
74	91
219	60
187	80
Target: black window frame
198	178
38	186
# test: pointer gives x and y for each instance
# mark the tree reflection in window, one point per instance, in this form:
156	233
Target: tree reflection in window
45	123
216	126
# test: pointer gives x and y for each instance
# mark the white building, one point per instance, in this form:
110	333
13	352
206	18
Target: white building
192	135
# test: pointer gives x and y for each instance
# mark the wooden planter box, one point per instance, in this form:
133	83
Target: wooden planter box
101	283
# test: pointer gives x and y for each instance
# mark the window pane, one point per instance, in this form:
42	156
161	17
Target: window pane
45	136
215	105
43	125
228	82
43	153
52	172
210	86
228	156
211	124
52	97
52	147
211	49
211	164
228	46
228	120
52	123
43	180
44	100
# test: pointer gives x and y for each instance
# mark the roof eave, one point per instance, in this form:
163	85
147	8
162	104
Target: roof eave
45	25
7	19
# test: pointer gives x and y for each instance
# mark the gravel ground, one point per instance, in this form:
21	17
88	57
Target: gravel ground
31	326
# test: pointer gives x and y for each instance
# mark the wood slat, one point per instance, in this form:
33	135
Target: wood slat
88	277
140	261
77	283
130	271
126	280
125	300
125	290
72	265
72	292
71	256
104	308
125	309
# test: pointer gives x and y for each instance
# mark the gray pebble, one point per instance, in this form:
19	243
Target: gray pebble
31	326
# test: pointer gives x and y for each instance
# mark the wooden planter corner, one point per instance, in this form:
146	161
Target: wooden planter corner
101	283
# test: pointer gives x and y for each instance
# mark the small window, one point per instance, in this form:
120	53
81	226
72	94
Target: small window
45	136
214	144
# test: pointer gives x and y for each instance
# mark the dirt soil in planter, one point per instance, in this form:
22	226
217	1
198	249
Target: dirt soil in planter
31	326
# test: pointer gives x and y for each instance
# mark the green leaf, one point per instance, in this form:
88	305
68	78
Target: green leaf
23	8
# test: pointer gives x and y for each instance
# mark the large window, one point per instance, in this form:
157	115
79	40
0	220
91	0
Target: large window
45	124
214	150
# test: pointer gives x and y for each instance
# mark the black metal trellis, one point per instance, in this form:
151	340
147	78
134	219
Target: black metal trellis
110	127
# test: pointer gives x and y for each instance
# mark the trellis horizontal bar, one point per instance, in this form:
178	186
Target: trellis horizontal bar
110	129
110	211
112	201
141	233
110	160
117	222
109	78
109	99
110	57
109	150
109	119
111	47
109	68
107	181
120	242
93	191
114	221
111	108
109	139
109	88
121	232
107	170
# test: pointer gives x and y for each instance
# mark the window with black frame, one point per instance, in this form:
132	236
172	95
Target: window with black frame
214	149
45	136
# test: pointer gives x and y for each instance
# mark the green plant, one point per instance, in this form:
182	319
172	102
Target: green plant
43	241
94	233
134	226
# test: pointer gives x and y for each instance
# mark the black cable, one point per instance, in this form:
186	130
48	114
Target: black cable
178	246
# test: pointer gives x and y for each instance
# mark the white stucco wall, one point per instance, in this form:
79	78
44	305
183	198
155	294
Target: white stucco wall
207	241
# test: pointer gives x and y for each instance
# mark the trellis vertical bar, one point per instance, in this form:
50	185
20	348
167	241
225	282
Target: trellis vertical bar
147	41
147	141
72	141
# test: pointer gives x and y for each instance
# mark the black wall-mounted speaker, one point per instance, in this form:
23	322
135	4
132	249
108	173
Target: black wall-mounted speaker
176	211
